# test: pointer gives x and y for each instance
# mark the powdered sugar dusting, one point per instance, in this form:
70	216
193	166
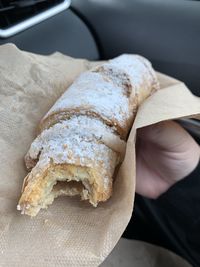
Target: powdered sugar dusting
94	93
75	141
113	90
139	70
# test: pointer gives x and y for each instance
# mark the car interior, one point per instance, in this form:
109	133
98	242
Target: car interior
165	32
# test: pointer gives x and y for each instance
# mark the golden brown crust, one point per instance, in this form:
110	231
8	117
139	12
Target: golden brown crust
40	190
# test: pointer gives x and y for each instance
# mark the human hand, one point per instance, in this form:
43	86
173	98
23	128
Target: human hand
165	153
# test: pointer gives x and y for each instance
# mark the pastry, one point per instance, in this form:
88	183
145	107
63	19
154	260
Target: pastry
83	137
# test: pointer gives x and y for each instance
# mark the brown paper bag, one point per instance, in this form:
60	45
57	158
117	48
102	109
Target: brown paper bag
70	232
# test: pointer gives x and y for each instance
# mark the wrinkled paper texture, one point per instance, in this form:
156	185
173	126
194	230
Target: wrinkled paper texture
69	232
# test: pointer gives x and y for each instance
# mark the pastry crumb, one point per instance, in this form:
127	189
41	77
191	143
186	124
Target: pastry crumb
65	146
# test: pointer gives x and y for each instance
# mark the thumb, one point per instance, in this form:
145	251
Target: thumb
168	135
